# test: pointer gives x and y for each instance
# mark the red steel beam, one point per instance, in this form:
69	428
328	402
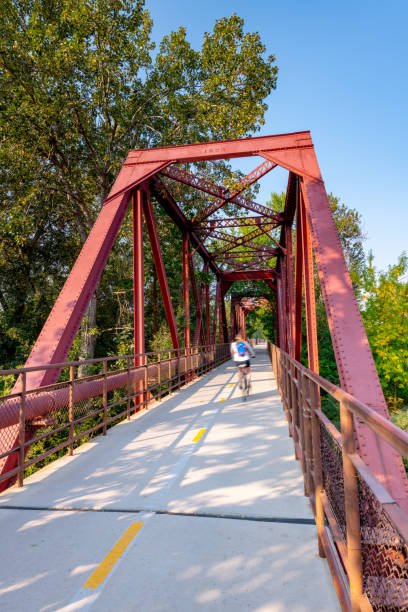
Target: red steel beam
216	311
235	222
290	289
198	331
280	313
236	275
160	270
238	254
310	301
207	313
257	248
293	151
244	183
238	241
197	303
177	216
138	285
354	359
181	175
186	290
298	276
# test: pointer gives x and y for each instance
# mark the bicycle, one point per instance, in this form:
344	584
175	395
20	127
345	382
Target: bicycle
245	383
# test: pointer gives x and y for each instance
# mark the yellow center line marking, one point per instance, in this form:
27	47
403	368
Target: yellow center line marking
199	435
222	399
113	555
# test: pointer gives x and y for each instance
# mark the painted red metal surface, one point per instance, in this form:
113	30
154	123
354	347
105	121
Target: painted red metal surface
138	285
160	270
294	152
249	275
183	176
355	363
60	329
298	277
296	147
237	222
248	180
186	290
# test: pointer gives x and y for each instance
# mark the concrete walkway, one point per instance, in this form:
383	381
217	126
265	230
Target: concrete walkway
195	505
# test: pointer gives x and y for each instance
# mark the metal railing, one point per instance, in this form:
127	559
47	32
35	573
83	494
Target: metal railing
362	531
37	425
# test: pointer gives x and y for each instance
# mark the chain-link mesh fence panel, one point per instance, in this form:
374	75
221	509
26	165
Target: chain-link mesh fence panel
384	556
332	471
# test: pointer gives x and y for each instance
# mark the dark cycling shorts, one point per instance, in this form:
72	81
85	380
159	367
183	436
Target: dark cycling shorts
243	364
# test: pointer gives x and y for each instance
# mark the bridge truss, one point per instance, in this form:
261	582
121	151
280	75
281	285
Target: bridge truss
261	254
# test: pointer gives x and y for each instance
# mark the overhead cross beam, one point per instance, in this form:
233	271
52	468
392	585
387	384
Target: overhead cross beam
183	176
238	241
243	184
236	222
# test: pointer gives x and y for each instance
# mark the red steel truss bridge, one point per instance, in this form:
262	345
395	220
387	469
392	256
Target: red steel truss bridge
354	476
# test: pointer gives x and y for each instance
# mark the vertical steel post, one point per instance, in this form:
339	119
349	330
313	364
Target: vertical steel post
317	465
71	409
207	314
284	304
186	290
280	314
307	433
215	313
105	396
351	502
290	291
298	276
128	389
224	320
138	287
160	269
159	374
310	302
170	376
21	430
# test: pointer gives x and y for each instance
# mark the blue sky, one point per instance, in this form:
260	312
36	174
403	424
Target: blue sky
342	75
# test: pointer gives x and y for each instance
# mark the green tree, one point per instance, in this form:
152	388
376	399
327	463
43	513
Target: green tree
80	85
385	316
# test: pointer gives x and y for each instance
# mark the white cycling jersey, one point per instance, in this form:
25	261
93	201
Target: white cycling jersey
237	358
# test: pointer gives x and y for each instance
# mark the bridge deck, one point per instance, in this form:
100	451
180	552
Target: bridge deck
225	523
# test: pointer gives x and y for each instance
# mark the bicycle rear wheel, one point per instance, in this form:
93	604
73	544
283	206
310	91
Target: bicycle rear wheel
244	384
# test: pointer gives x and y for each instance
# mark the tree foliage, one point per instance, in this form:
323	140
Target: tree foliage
385	316
81	83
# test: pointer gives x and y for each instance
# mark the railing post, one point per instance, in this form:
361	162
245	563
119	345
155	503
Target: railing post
307	432
317	466
301	413
145	391
351	499
170	379
159	374
128	389
287	389
71	410
21	431
294	412
178	368
105	396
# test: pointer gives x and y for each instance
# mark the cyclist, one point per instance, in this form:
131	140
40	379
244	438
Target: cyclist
240	353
